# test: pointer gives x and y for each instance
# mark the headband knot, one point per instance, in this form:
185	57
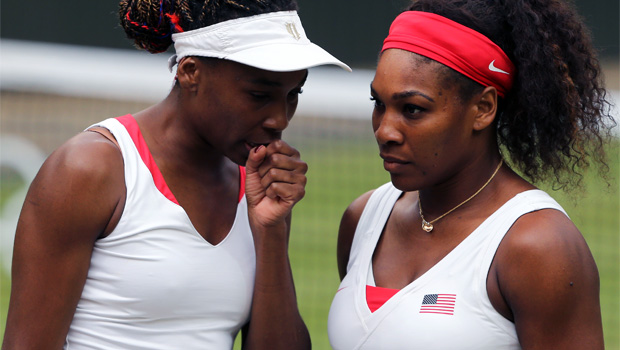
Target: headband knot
454	45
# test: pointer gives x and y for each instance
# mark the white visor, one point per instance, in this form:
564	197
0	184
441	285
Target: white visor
273	41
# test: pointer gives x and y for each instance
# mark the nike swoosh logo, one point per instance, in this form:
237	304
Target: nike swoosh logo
341	289
492	68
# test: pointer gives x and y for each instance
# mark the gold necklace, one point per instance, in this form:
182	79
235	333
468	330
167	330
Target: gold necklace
428	225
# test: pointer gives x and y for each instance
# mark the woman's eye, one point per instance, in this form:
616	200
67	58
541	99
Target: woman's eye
413	109
295	93
376	102
260	96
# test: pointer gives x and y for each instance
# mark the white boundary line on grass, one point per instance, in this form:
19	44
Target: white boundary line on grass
139	76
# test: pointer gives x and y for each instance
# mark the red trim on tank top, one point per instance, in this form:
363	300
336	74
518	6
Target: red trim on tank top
377	296
241	182
136	135
130	123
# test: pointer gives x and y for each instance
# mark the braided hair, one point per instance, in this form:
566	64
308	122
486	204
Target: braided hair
150	23
556	116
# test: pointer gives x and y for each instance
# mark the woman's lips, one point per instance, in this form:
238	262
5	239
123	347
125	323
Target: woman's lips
393	164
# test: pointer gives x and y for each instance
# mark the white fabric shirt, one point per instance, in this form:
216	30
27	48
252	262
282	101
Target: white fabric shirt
155	282
447	307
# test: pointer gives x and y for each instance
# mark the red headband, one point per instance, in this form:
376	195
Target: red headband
454	45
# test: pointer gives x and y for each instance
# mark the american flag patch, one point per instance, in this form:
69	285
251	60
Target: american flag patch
438	304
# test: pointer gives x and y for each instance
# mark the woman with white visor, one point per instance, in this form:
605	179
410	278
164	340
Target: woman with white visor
168	228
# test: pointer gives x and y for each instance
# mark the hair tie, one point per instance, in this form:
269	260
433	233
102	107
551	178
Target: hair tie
143	27
174	20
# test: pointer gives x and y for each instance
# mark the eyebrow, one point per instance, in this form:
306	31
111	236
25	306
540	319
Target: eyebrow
266	82
404	94
409	93
274	83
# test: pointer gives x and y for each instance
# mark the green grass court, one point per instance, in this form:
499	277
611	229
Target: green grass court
343	164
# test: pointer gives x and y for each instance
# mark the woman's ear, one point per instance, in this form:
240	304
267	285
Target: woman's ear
486	108
187	74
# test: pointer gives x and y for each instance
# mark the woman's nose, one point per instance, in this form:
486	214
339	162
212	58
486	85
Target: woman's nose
278	118
387	128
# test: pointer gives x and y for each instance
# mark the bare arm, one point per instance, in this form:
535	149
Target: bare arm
275	182
68	205
346	232
550	282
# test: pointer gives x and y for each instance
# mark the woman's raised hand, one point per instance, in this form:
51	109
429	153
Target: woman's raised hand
275	181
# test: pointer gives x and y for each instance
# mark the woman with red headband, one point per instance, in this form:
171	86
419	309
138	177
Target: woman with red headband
460	251
168	228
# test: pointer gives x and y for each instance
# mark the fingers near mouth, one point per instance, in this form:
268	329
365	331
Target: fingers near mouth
251	145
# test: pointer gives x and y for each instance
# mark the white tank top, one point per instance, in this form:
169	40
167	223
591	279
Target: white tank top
155	282
447	307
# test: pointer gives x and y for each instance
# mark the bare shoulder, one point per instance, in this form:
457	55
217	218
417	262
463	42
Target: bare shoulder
346	232
549	280
546	236
69	205
353	213
85	174
90	151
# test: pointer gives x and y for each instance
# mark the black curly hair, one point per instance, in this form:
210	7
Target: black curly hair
150	23
556	116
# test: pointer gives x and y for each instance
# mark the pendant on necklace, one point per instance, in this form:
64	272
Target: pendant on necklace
427	226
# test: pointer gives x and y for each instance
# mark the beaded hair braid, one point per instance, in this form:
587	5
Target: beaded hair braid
150	23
